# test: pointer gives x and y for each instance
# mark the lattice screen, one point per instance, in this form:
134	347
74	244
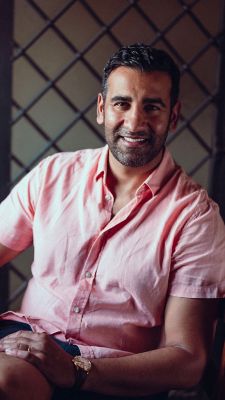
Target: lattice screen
60	47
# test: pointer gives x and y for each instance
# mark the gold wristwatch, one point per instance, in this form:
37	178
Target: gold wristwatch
83	367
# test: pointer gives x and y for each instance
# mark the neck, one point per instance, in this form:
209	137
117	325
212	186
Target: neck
128	178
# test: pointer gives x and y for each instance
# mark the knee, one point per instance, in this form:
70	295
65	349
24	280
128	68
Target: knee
9	384
21	380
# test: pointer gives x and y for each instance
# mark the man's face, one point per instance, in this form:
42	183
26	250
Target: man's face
137	115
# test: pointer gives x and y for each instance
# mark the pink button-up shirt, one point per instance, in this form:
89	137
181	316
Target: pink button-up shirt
102	282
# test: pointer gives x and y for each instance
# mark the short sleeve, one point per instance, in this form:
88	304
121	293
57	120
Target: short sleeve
17	212
198	262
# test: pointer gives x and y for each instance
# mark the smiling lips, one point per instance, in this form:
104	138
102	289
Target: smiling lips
129	139
134	140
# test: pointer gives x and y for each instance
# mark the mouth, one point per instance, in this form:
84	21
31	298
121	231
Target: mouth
134	140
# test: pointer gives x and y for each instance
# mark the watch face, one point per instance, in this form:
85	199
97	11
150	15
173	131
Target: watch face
82	363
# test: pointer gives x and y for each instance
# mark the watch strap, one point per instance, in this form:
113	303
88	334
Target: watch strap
82	367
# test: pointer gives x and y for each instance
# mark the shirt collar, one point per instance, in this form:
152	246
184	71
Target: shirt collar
102	163
161	173
156	178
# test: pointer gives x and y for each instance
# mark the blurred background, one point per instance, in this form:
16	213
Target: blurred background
52	53
52	56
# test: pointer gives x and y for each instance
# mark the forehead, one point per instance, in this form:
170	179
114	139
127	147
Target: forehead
133	82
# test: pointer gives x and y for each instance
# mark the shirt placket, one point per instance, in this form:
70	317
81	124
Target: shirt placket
78	306
86	283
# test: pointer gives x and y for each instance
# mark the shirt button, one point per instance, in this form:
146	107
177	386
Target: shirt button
76	309
88	274
107	197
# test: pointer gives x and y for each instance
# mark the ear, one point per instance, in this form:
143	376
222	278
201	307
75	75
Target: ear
100	109
175	114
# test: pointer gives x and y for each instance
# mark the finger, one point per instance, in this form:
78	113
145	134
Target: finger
24	334
14	351
19	333
28	355
22	342
25	347
15	347
23	350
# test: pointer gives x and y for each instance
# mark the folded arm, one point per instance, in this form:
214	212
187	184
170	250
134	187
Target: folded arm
178	363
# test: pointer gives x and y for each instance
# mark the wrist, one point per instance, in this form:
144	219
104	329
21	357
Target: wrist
82	368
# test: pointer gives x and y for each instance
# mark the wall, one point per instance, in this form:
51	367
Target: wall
60	49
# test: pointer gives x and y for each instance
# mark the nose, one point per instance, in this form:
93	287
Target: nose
135	119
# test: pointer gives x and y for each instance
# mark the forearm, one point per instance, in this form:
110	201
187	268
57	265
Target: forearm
151	372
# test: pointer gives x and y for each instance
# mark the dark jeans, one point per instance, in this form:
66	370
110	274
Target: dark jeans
8	327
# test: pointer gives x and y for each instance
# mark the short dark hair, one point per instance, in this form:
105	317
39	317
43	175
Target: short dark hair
146	59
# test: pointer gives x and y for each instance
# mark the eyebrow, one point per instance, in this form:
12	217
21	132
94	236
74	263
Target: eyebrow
147	100
154	100
121	98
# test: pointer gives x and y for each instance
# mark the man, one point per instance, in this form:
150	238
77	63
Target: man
128	254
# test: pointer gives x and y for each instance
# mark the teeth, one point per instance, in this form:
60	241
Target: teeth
133	140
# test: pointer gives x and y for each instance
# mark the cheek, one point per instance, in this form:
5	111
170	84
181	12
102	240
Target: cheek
112	119
158	123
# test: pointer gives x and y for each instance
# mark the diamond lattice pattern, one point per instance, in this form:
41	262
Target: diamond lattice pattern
60	48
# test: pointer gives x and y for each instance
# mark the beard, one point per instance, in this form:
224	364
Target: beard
135	156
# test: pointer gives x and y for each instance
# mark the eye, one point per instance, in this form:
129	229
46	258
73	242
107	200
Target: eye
151	107
121	105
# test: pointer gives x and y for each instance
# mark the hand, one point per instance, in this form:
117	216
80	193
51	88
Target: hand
40	350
